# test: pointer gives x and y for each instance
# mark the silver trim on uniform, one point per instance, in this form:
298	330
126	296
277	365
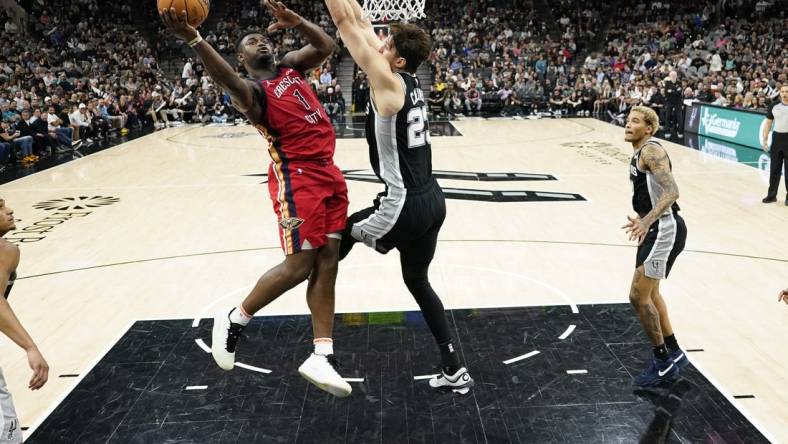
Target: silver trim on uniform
373	228
656	263
9	421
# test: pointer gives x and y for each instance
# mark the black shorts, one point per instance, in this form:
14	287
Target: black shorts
401	221
664	241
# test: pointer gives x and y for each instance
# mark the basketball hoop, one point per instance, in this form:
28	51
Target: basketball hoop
394	10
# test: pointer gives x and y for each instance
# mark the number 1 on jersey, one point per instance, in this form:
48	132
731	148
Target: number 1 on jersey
418	136
302	99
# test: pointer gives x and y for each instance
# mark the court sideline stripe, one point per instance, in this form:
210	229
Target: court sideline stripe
518	241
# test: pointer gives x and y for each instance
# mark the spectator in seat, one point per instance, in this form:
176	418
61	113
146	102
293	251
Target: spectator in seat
219	113
27	127
82	120
21	146
331	103
65	135
453	104
473	100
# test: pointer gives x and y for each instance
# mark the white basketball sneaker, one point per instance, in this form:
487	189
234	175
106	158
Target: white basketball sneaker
321	371
458	381
224	340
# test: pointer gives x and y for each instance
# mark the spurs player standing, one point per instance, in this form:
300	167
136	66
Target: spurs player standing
661	234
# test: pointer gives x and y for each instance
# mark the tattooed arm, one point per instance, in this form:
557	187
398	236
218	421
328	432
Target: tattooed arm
655	159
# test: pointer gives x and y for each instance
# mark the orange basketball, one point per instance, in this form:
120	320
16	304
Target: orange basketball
196	10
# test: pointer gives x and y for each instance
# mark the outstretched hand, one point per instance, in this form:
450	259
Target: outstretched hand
178	24
285	17
636	229
783	296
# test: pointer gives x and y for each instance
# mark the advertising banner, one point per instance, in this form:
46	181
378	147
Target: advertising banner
731	125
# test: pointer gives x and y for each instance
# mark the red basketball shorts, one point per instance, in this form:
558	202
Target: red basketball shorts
310	201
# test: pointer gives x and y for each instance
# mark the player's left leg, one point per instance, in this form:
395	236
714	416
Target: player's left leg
661	367
330	217
10	429
415	259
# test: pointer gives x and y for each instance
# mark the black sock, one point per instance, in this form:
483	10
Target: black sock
450	361
661	352
671	343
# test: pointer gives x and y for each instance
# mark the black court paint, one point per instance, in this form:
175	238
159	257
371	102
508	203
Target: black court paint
135	393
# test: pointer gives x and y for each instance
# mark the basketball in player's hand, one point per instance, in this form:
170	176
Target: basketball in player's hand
196	10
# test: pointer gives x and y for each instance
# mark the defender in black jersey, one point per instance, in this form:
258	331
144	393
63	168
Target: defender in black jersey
409	213
10	430
661	234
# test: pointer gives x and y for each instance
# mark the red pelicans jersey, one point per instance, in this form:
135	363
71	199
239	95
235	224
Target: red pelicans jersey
295	123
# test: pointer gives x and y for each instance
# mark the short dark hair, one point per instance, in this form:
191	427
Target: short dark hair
412	43
241	40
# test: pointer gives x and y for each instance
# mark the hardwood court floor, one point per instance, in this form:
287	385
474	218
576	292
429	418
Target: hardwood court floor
177	223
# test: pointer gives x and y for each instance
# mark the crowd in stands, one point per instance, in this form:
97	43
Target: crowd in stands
84	72
207	102
74	72
600	56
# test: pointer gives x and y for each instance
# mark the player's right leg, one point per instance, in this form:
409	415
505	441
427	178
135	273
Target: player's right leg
292	205
228	325
675	352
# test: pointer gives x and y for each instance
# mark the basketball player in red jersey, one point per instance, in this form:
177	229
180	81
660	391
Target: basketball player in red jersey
308	191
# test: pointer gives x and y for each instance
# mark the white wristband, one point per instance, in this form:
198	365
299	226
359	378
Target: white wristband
196	40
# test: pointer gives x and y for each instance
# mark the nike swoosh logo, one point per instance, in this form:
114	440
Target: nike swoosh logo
678	358
661	373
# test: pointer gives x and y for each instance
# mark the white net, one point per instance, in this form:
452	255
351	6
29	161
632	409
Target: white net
394	10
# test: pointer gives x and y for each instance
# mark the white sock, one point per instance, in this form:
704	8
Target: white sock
239	316
324	346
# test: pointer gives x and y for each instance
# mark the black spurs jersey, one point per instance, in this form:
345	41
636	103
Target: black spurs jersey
646	191
399	146
10	284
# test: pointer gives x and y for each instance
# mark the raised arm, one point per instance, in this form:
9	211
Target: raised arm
386	88
320	44
656	160
217	68
365	25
